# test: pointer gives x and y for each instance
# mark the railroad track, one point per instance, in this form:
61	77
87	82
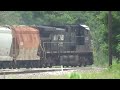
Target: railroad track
35	70
38	70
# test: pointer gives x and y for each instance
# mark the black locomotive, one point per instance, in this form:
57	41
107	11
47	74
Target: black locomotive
68	45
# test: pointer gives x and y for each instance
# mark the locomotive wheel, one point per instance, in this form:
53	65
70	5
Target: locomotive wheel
84	62
40	66
18	67
80	65
74	66
50	66
67	65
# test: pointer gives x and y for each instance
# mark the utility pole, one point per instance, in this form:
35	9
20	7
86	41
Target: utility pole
110	37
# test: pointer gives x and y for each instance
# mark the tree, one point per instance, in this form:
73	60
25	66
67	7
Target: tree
110	35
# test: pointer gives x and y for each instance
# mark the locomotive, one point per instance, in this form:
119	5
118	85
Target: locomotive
45	46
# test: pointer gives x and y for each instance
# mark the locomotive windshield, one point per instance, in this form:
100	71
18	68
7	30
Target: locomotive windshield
80	37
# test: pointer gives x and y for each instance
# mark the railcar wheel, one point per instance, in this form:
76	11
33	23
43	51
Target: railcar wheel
40	65
3	66
14	66
31	65
84	62
50	66
0	65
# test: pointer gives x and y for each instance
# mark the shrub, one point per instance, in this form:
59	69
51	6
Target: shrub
75	75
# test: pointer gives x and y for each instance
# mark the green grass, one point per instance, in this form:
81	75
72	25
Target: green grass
101	75
110	73
75	75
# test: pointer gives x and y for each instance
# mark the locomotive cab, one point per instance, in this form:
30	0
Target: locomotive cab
83	43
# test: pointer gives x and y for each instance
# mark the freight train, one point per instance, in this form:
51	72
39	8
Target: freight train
45	46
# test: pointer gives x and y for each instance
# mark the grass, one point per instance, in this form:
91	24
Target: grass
101	75
75	75
110	73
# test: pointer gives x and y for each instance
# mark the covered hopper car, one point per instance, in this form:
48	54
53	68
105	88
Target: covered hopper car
45	46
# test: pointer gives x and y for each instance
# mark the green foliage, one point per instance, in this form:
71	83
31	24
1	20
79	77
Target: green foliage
115	68
109	73
118	47
10	18
100	59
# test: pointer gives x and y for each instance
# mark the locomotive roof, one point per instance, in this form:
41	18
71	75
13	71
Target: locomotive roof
74	25
80	25
49	28
85	26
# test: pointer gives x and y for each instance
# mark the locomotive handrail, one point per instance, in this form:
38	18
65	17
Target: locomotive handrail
58	42
45	51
